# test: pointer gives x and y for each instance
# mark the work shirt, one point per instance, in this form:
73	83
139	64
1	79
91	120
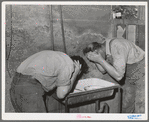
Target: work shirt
123	52
50	68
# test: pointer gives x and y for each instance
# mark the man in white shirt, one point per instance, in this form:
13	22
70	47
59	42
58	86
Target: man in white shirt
41	73
122	60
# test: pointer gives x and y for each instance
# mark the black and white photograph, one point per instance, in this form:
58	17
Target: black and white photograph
74	60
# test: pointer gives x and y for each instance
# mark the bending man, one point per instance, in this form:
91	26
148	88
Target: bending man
41	73
124	61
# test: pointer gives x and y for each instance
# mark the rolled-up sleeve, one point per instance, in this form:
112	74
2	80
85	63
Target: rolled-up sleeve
119	54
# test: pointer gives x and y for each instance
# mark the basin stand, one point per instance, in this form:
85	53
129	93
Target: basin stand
119	99
104	108
66	106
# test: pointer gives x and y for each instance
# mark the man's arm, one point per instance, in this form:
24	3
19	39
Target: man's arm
119	58
100	68
62	91
117	70
109	59
110	69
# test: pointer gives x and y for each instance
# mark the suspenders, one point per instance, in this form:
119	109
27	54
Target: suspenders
109	58
110	44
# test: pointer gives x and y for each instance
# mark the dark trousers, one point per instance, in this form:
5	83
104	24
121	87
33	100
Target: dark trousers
27	94
133	97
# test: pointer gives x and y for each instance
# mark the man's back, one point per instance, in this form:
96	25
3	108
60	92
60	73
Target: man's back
133	52
47	66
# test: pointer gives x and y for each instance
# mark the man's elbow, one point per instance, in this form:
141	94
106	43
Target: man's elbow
61	96
118	78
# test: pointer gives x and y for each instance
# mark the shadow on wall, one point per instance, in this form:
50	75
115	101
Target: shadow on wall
31	34
76	47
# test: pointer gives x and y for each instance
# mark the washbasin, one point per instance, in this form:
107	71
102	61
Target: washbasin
88	90
91	84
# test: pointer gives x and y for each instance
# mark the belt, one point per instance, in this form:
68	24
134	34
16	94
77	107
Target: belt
23	77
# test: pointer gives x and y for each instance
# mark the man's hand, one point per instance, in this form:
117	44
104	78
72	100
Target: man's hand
77	67
109	59
93	56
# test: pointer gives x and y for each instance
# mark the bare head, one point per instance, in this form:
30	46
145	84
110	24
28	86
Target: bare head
84	68
95	47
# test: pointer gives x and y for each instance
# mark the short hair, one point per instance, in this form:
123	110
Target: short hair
92	47
84	67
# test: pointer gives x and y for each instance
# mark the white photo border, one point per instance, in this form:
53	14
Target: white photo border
70	116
